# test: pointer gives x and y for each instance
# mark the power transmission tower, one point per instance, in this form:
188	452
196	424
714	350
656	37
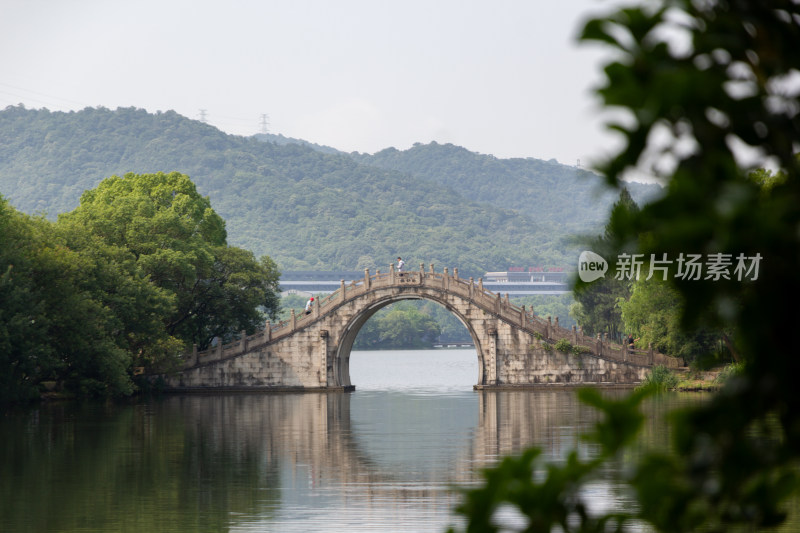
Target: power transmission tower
264	123
203	116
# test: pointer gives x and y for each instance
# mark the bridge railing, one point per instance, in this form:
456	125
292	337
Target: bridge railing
546	328
464	288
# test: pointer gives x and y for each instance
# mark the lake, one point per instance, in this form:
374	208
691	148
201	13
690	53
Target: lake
383	458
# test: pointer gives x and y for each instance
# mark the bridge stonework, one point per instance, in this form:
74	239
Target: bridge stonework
310	352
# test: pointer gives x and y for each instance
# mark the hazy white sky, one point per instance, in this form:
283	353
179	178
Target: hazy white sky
505	77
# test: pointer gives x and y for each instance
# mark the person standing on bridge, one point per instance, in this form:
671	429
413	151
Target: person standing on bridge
400	264
309	303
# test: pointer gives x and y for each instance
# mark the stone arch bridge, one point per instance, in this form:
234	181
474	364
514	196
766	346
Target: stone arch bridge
514	347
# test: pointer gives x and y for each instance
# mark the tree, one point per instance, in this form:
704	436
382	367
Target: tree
61	317
596	306
235	294
138	306
161	227
721	84
25	356
124	282
652	315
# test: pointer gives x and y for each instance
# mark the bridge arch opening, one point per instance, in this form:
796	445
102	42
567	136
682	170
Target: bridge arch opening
358	337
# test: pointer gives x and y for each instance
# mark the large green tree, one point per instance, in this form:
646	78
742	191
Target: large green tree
596	306
703	79
161	226
25	356
136	308
125	282
652	314
68	316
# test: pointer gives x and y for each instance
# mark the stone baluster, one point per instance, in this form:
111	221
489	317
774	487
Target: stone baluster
455	272
243	341
574	334
471	288
549	328
480	285
268	331
316	307
497	303
446	279
391	274
293	321
366	279
343	290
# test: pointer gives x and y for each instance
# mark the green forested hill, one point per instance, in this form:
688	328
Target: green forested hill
305	208
544	190
574	198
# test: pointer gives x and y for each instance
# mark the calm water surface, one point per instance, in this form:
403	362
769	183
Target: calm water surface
384	458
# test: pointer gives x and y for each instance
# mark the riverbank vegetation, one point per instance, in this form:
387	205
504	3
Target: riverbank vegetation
120	287
662	379
646	308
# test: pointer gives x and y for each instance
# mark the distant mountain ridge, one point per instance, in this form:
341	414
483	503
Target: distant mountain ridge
280	139
309	207
572	197
567	195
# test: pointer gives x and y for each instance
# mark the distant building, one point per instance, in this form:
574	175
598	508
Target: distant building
316	281
522	281
515	274
515	281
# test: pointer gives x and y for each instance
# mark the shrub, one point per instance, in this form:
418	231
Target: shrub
660	378
563	345
729	371
580	350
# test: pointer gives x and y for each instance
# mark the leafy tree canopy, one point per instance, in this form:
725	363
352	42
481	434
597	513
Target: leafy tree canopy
596	307
72	316
122	284
171	234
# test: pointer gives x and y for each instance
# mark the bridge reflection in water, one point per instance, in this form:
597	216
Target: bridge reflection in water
379	459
